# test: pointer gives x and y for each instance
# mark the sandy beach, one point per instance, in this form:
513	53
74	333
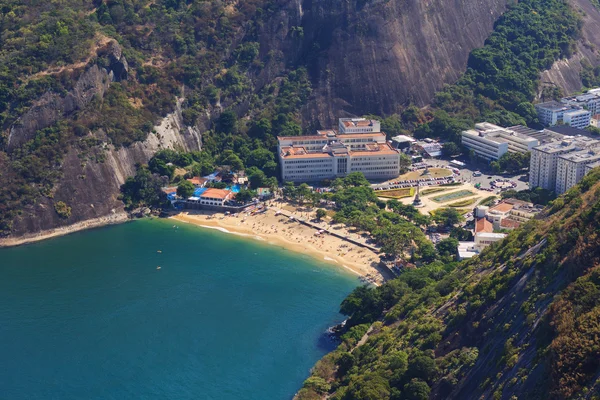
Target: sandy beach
279	230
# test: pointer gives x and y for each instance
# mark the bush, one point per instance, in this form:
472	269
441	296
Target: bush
62	209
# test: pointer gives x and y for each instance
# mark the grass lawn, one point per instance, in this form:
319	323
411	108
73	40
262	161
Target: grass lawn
433	173
488	201
432	190
396	193
463	203
452	196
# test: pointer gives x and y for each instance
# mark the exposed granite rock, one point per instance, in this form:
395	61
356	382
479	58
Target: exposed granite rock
384	55
52	106
565	74
92	188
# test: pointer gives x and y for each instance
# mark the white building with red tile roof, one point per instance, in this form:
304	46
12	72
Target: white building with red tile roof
213	197
329	154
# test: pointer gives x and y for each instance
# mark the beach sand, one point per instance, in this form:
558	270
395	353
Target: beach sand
279	230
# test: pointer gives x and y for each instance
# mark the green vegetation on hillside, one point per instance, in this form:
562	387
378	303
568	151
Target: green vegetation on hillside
519	320
502	77
210	48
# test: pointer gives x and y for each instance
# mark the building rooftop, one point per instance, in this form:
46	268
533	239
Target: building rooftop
554	106
483	225
331	134
216	193
517	202
595	164
509	223
499	134
197	180
568	130
356	122
568	144
402	139
300	152
576	112
501	207
589	155
491	235
466	250
170	190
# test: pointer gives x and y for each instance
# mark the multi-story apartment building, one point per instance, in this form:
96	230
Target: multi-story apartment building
577	118
490	141
329	154
549	169
575	111
572	167
589	101
552	112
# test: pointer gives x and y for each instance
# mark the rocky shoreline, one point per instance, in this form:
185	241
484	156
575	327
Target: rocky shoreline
115	218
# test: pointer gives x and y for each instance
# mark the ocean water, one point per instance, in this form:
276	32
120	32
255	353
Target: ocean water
89	315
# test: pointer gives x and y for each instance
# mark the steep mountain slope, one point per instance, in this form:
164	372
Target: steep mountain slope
567	74
81	83
519	321
379	56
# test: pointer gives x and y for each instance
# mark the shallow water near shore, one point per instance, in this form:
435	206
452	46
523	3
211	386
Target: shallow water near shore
90	316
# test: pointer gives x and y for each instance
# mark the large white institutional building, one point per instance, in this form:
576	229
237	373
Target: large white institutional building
559	165
358	146
491	141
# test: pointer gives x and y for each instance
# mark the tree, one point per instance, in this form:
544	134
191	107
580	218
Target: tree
451	149
447	247
185	189
245	196
416	389
256	177
233	160
461	234
321	214
227	122
355	179
289	191
302	192
259	157
405	163
158	166
62	209
143	189
260	129
448	216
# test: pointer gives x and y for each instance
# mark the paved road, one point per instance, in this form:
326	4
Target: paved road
466	175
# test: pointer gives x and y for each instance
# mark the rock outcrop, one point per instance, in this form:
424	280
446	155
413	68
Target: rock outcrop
92	188
379	56
565	74
52	106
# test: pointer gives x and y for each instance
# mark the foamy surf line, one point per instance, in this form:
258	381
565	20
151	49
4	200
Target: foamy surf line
218	228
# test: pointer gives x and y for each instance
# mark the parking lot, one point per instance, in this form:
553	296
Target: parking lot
466	175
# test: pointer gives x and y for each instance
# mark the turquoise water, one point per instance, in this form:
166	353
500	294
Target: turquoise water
89	316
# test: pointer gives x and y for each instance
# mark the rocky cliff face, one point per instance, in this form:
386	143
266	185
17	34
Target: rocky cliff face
52	106
565	74
91	188
363	56
379	56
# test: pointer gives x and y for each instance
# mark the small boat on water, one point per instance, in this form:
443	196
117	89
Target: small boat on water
158	267
159	251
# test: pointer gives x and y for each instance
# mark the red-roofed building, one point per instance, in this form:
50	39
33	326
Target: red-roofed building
170	190
482	225
215	197
198	181
509	223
